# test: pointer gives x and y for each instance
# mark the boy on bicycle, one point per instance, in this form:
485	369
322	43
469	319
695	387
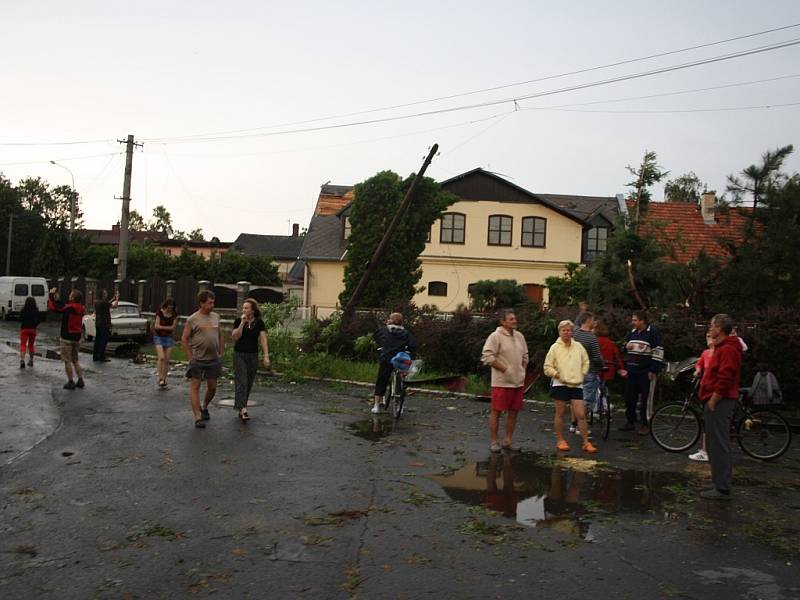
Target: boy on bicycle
391	339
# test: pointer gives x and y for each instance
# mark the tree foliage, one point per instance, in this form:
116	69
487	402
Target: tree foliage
686	188
647	174
394	280
488	295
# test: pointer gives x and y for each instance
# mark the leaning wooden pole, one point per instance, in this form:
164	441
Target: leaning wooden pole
376	256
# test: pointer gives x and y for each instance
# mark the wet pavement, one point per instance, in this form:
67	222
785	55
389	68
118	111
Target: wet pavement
115	495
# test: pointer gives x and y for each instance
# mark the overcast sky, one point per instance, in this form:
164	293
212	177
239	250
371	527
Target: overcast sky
92	70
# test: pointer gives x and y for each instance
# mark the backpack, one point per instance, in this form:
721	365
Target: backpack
765	389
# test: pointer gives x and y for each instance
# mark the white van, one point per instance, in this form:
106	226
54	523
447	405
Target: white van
15	290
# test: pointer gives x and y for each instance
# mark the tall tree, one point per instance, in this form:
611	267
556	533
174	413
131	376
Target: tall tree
376	201
162	221
759	180
648	173
686	188
135	221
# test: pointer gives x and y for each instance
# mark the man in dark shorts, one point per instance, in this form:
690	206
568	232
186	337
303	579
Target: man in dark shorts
71	325
102	324
204	346
506	352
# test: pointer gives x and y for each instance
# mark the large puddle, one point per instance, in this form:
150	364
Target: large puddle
561	493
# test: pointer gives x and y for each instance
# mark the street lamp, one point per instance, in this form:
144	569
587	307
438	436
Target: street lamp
71	198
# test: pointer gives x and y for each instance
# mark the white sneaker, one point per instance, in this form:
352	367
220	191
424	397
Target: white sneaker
573	429
700	456
376	409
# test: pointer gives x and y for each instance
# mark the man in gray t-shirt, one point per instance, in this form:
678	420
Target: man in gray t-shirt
204	346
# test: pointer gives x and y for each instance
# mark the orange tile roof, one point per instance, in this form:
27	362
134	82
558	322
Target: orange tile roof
680	227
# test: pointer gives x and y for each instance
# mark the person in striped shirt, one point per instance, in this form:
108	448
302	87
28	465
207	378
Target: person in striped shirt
644	359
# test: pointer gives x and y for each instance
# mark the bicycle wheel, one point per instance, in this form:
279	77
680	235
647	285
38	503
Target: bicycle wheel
604	414
675	427
389	394
764	434
399	394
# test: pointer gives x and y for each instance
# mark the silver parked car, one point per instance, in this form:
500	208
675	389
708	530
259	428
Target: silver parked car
126	322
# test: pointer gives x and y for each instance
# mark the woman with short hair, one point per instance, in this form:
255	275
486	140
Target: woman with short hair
566	364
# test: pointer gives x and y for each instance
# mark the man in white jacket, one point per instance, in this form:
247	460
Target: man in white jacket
506	352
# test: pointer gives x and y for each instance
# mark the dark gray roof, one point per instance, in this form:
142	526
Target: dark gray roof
323	240
282	247
298	271
585	207
481	184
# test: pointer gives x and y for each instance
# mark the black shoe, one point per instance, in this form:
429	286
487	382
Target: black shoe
627	427
205	415
80	384
70	385
22	364
30	363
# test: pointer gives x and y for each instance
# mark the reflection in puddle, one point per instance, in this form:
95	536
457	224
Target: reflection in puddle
372	429
557	493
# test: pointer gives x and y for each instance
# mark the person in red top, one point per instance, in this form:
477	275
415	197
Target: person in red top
610	353
71	325
719	390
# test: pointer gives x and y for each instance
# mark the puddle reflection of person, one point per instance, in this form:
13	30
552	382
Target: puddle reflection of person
503	501
562	503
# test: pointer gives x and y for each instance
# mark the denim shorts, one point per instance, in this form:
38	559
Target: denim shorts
165	341
591	383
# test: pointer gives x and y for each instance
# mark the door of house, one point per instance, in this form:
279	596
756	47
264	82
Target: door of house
534	292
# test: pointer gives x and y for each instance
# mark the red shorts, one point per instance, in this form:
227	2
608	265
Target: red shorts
26	338
507	398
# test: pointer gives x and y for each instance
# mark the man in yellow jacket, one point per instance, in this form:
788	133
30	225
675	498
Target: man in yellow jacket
506	352
566	364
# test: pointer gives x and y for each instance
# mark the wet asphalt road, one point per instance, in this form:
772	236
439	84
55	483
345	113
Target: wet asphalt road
123	498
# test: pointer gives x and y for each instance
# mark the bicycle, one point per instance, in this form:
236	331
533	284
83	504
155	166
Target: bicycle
395	395
601	411
761	433
604	410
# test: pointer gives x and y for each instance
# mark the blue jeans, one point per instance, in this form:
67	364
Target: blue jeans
591	383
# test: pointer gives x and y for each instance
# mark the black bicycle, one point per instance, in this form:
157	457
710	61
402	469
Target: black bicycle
395	395
760	432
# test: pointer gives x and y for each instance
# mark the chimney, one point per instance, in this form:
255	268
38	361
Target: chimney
295	229
708	205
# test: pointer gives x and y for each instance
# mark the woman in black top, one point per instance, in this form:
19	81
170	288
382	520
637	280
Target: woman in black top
248	333
31	317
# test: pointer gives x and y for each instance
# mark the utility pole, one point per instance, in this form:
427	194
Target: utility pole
122	258
8	247
351	304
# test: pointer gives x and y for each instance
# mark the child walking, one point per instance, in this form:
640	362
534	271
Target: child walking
31	317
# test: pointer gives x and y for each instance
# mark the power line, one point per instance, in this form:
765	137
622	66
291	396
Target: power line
36	162
582	86
676	93
493	88
73	143
676	110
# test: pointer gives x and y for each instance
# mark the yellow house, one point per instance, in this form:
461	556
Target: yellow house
496	230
